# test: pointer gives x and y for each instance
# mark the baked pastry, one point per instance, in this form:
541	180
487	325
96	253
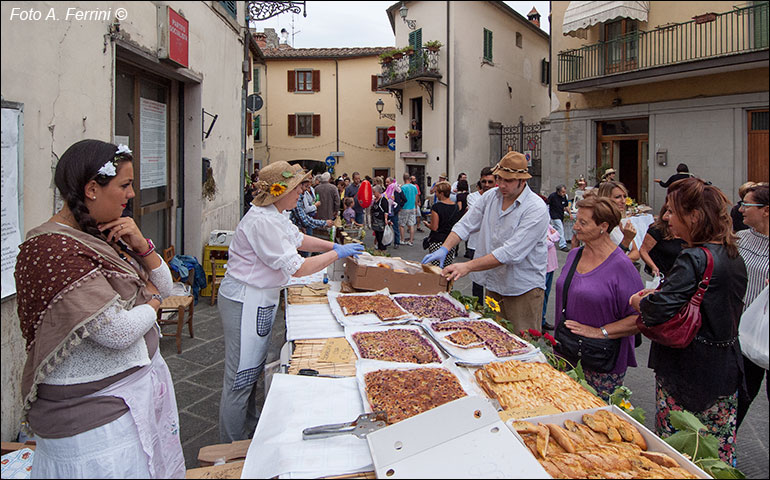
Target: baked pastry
404	393
430	306
464	339
498	340
380	305
396	345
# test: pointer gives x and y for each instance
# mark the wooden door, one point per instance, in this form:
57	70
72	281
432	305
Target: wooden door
758	146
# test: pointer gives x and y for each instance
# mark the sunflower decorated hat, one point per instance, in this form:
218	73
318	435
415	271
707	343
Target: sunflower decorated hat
276	180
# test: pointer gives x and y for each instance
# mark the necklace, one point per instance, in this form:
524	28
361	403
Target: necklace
68	219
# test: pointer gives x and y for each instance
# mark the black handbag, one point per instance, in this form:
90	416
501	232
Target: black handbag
595	354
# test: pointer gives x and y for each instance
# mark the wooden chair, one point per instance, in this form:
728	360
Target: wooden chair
218	262
177	304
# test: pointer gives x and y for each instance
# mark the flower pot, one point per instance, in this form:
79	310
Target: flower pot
398	56
705	18
432	49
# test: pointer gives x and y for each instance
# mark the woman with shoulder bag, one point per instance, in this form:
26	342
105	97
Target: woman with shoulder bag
380	208
594	323
702	375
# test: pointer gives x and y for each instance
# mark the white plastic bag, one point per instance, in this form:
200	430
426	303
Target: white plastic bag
387	235
180	289
654	283
753	330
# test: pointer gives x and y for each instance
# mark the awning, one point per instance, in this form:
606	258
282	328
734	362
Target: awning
582	15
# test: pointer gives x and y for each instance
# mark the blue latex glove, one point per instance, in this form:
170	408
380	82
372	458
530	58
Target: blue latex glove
353	249
439	255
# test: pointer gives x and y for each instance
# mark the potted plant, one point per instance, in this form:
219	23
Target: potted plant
408	50
433	45
412	133
397	53
386	57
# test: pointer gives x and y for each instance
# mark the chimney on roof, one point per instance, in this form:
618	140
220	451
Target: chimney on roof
534	17
261	39
271	38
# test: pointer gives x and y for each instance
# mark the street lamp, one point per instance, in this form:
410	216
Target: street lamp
380	105
412	24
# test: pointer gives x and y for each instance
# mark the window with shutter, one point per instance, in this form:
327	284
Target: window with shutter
415	40
382	136
292	125
257	131
487	45
545	71
255	80
304	80
304	124
316	125
231	7
519	40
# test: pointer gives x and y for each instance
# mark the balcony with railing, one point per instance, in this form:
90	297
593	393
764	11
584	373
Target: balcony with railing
421	65
708	43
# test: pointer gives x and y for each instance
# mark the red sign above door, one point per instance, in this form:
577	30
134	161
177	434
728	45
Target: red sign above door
178	38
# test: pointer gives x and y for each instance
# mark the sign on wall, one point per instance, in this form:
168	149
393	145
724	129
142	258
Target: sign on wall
152	138
11	195
174	34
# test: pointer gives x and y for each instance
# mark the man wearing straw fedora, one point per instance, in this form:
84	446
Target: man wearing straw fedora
262	258
511	253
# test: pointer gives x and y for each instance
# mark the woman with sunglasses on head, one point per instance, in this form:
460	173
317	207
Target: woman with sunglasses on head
97	393
623	235
753	246
704	376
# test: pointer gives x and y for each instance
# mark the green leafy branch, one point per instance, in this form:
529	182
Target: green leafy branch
693	440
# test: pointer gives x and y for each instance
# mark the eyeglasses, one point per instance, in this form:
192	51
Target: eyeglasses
744	204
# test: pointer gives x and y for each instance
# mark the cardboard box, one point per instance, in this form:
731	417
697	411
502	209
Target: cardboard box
364	274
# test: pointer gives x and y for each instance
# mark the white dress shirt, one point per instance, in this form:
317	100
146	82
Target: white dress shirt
516	238
262	253
473	237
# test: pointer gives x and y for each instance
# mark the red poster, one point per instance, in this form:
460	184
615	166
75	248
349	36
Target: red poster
178	38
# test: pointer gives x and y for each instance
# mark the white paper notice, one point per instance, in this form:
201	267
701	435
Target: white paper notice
11	236
152	138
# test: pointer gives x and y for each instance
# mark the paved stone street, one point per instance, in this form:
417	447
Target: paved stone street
197	374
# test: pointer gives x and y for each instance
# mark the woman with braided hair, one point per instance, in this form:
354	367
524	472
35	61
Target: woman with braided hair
97	393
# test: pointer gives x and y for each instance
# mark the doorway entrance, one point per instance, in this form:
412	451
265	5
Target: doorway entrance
142	117
758	146
624	146
419	172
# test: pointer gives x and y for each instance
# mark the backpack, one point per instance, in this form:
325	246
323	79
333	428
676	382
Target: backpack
400	198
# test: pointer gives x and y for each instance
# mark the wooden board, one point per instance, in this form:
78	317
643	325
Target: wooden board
306	355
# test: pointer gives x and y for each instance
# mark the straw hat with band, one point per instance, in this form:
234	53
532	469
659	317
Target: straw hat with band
608	172
513	166
276	180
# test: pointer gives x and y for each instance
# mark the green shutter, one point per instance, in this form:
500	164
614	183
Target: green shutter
487	45
257	121
415	39
255	79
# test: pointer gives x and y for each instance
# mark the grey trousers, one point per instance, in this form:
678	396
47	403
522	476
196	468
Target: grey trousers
238	409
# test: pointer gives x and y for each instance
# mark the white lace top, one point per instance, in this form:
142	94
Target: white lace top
115	340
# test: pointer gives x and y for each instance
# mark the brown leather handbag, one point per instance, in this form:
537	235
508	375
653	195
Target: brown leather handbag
680	331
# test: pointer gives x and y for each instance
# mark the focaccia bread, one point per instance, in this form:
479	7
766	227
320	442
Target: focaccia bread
435	306
405	393
498	340
464	339
396	345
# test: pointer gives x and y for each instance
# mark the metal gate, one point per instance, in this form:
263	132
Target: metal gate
527	139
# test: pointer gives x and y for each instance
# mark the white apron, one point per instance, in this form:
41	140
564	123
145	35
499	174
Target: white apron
260	306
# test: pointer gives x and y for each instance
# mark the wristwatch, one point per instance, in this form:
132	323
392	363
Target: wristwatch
604	331
624	248
157	297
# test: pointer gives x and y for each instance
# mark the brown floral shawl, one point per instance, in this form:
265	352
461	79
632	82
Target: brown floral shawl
64	279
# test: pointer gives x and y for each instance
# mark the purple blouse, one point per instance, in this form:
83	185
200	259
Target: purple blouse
601	296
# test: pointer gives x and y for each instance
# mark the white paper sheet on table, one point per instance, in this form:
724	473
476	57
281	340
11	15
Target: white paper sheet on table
314	320
296	402
307	279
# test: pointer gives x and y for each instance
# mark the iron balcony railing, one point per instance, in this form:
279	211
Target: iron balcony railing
423	62
741	30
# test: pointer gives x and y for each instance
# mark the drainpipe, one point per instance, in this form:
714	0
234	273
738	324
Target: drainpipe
337	100
180	179
448	61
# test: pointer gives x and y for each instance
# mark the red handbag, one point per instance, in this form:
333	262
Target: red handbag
682	328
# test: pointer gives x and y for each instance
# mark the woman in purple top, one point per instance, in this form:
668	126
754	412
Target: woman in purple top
597	300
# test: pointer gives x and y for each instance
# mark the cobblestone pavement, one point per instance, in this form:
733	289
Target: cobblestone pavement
198	370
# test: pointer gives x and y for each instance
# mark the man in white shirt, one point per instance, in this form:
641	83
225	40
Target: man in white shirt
511	252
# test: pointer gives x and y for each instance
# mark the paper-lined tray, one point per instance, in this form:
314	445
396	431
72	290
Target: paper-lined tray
482	354
399	350
364	367
347	320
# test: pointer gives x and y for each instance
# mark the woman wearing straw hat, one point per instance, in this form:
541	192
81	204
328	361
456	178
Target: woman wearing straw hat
609	176
262	257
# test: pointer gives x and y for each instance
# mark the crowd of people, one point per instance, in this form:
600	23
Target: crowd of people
94	377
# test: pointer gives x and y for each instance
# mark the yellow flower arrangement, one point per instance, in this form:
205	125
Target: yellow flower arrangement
277	188
492	304
629	201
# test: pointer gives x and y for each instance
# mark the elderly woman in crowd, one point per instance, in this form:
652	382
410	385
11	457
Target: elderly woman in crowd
753	246
704	377
623	234
597	299
262	258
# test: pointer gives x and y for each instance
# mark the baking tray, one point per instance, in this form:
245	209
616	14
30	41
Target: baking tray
349	331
